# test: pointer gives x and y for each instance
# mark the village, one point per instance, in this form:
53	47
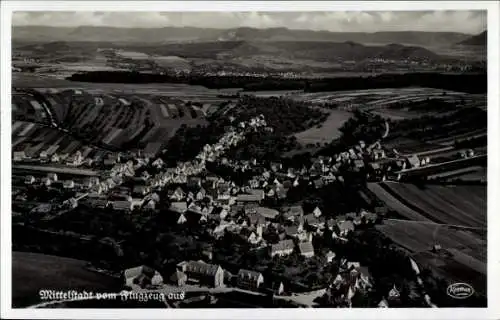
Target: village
221	206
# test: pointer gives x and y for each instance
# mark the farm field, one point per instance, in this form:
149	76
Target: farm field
277	93
481	174
34	138
329	129
381	95
132	54
117	120
463	254
406	146
25	106
182	92
474	173
456	266
267	62
455	205
449	153
394	204
442	167
23	80
109	116
61	170
32	272
172	62
451	140
381	101
419	236
394	115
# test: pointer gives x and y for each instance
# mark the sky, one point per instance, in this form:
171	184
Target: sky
466	21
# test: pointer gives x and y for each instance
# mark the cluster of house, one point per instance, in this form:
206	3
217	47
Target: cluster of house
233	208
200	273
141	277
50	155
225	207
237	209
76	159
466	154
351	278
230	73
371	160
93	187
108	192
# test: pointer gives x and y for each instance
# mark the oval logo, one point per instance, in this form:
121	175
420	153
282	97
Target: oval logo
460	290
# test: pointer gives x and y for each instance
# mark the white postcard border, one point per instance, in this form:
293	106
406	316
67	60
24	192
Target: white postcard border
7	7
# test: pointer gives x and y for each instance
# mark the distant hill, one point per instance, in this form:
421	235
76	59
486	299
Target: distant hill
312	50
169	34
54	46
397	51
477	40
241	51
332	51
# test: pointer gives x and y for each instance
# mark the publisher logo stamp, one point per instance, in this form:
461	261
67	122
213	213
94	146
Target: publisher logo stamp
460	290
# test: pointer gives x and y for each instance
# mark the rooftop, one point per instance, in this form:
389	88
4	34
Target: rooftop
282	245
200	267
248	274
267	212
306	247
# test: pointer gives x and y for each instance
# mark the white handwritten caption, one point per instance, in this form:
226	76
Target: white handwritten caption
56	295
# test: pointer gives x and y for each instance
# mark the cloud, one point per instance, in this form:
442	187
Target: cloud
359	21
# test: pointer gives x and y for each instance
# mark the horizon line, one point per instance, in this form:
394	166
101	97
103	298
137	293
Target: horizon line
240	27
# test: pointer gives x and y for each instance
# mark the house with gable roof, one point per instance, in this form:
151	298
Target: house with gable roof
282	248
202	273
256	220
179	278
312	221
345	227
177	195
293	213
179	207
317	212
306	249
250	280
141	277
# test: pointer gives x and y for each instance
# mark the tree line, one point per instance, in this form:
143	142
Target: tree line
471	83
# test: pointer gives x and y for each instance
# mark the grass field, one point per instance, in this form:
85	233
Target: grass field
456	205
32	272
328	131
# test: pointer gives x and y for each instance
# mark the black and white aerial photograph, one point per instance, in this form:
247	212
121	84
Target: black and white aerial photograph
247	159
